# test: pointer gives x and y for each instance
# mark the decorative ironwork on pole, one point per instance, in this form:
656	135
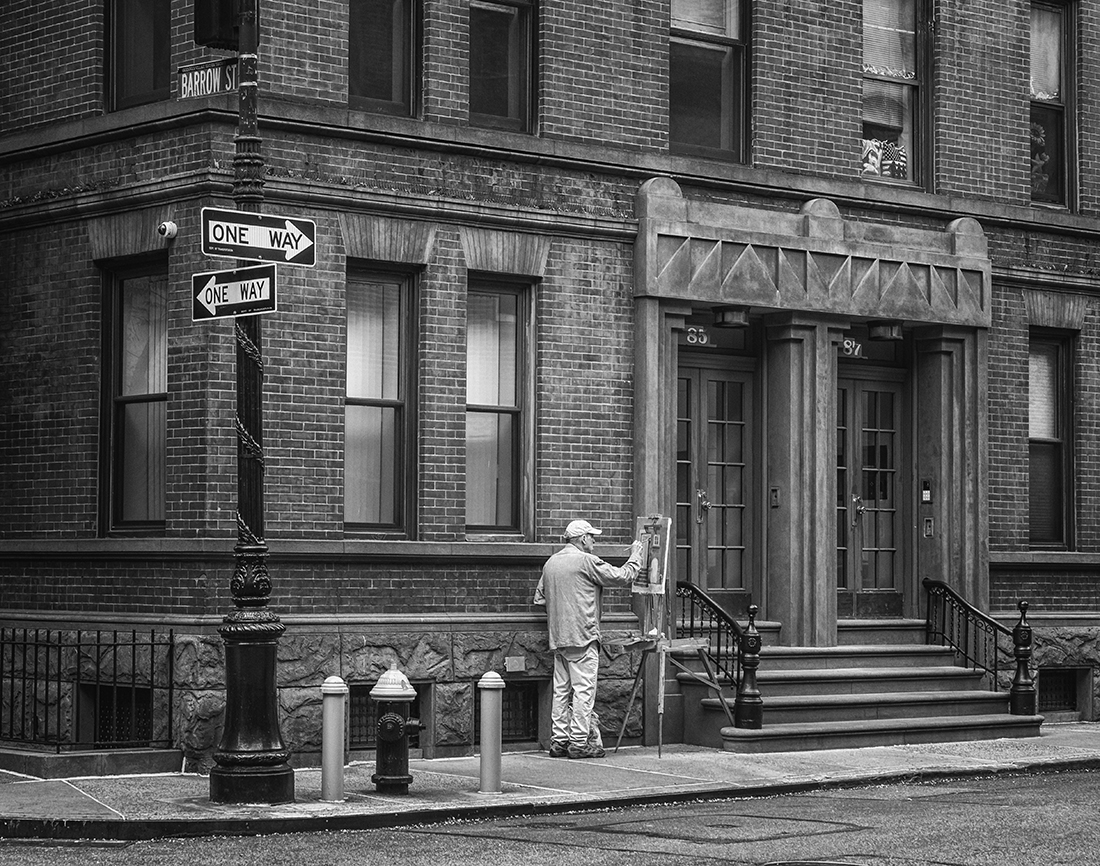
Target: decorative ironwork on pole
251	758
748	706
1023	699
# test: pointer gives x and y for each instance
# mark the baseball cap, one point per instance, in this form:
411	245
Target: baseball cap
577	528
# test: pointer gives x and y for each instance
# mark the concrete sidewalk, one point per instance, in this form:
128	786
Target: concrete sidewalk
177	804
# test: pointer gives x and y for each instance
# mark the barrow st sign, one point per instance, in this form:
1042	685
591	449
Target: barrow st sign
243	292
245	235
207	79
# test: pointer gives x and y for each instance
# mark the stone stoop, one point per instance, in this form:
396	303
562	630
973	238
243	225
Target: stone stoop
875	694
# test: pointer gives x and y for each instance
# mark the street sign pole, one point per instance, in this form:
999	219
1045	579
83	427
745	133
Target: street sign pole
251	757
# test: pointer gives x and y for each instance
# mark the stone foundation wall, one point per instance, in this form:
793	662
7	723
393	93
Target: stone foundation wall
449	660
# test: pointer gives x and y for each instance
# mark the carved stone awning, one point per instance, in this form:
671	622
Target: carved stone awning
811	261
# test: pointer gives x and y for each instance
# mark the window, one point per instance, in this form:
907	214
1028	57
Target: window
378	449
1050	79
500	65
138	389
707	78
494	422
1049	451
140	55
382	56
893	72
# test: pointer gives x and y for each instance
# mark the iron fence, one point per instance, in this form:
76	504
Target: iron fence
79	689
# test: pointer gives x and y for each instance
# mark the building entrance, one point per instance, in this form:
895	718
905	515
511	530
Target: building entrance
715	467
870	489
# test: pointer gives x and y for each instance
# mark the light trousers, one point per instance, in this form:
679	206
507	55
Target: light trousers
575	671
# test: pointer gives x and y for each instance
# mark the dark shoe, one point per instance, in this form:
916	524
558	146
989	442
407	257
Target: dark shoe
589	750
558	750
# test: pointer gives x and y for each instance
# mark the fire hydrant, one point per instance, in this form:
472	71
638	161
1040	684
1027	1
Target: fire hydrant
394	696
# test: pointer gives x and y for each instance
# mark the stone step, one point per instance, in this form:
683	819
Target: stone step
774	658
863	656
878	732
880	631
842	681
880	705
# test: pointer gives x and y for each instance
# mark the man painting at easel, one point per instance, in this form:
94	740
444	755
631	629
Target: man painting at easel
571	588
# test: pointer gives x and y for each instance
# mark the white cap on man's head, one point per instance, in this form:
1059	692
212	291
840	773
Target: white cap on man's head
577	528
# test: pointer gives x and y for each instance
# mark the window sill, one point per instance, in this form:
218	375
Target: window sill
1044	559
511	549
1052	206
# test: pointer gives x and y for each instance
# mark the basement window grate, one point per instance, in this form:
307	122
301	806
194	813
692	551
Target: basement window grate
1058	690
519	720
122	716
363	717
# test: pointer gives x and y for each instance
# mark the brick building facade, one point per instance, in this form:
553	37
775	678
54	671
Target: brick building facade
868	189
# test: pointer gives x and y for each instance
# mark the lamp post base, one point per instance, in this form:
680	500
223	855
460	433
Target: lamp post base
268	785
251	760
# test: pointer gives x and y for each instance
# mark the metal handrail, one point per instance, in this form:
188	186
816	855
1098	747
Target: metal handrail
973	634
701	616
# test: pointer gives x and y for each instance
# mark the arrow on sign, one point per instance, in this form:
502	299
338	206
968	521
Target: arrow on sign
246	235
242	292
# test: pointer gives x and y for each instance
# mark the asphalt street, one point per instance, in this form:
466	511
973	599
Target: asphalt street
1043	818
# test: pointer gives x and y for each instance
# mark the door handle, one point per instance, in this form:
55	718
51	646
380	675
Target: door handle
859	508
704	505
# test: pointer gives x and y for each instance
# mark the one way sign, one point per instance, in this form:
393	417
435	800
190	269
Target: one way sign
244	235
243	292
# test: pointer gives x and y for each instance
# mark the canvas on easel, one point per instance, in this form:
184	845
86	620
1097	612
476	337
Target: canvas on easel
655	534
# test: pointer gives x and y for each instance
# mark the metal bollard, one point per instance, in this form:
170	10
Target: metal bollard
492	700
334	693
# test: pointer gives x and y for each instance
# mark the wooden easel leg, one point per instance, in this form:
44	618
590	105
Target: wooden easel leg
660	700
633	694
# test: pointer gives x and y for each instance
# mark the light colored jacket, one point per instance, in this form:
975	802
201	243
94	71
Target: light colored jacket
571	588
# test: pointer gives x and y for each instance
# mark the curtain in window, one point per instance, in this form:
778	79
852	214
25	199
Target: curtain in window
1043	391
889	87
1046	470
492	422
890	38
491	350
374	414
141	420
1046	53
490	470
374	340
717	17
370	465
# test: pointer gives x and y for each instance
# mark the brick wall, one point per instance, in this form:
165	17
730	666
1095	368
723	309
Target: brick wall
981	100
584	389
1008	422
446	85
49	391
1087	440
1088	105
303	49
603	75
807	86
51	62
1046	590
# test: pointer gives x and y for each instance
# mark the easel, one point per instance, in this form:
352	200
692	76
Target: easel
664	649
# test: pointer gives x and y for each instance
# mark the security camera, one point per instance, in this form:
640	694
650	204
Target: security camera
167	229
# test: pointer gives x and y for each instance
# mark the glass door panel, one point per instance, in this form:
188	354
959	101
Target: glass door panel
868	477
714	484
